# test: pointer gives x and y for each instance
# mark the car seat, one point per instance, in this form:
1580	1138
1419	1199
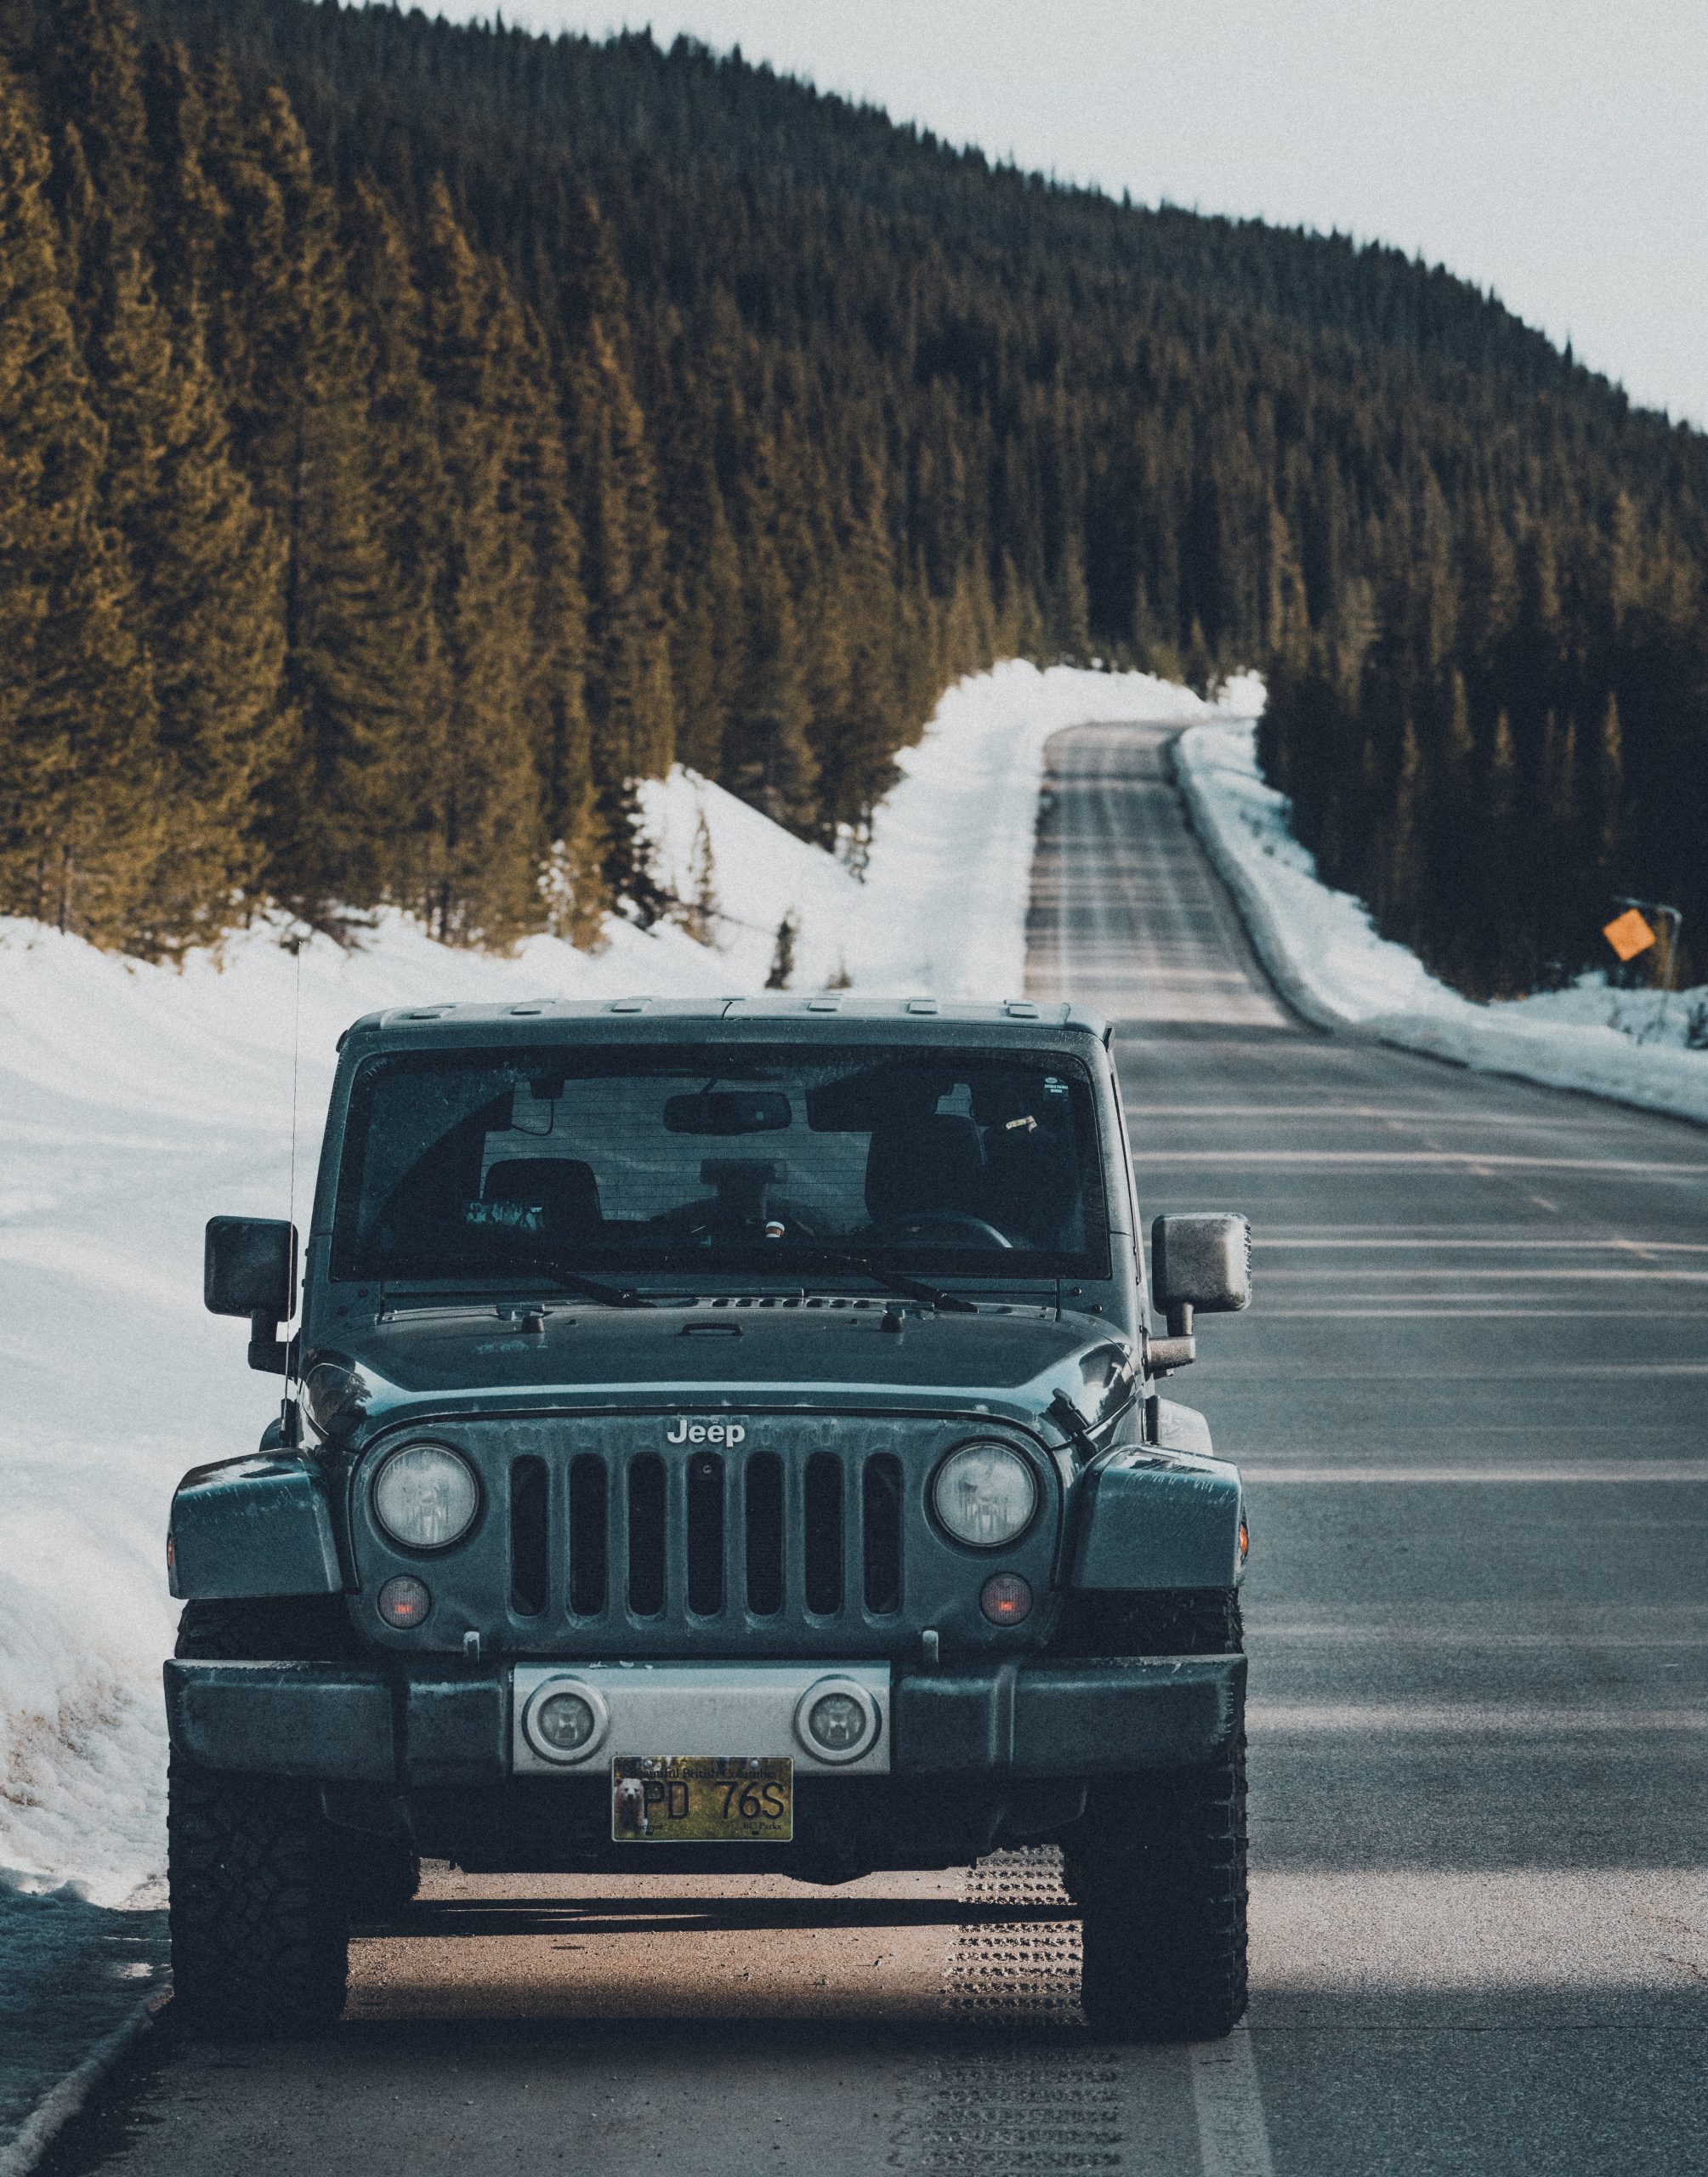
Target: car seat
563	1189
924	1167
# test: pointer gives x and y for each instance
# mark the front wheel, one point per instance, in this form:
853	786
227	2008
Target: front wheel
260	1925
1157	1867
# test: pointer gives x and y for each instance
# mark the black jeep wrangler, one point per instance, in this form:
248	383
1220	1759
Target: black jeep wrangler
718	1437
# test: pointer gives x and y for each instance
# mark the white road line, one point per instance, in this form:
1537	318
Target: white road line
1263	1241
1468	1720
1489	1311
1459	1159
1513	1272
1232	2136
1529	1473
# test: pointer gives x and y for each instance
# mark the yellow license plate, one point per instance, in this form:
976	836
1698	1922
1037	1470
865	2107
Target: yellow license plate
674	1798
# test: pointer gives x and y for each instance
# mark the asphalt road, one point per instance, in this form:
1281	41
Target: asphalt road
1471	1400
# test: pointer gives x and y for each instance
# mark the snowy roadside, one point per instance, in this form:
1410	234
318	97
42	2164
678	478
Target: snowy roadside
1330	965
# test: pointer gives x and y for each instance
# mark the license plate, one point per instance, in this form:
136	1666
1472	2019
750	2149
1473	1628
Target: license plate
674	1798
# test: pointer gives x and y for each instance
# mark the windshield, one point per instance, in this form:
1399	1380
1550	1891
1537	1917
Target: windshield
704	1157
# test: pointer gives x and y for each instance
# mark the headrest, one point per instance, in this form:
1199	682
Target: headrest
916	1166
1030	1185
562	1187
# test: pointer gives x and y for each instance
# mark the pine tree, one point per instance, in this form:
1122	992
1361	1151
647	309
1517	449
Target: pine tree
631	702
300	416
81	825
480	816
1610	784
701	913
782	970
203	569
768	758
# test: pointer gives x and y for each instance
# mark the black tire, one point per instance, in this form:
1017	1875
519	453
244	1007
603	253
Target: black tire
1163	1904
1157	1866
260	1928
260	1901
379	1876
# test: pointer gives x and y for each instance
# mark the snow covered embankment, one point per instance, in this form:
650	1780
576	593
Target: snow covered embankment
1330	965
135	1102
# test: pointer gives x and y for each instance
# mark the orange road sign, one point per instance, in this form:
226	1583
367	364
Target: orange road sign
1629	935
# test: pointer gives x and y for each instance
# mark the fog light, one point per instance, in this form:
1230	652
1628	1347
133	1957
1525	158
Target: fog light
405	1601
1006	1599
566	1719
836	1722
565	1722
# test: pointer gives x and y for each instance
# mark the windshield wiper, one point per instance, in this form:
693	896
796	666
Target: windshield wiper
896	1281
571	1280
591	1288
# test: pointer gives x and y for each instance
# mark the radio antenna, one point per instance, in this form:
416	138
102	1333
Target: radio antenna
296	943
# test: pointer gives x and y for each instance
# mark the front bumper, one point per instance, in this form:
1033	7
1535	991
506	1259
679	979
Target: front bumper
367	1724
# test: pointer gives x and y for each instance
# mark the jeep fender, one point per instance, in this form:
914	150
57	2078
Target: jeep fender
1151	1518
260	1526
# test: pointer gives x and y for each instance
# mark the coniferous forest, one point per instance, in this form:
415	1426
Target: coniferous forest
412	436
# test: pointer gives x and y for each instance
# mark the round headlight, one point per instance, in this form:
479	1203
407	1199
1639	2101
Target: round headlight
986	1495
426	1497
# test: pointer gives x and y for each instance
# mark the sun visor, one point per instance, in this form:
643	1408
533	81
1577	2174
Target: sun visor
881	1095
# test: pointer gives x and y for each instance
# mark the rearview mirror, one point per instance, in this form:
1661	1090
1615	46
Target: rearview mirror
727	1110
249	1268
1201	1262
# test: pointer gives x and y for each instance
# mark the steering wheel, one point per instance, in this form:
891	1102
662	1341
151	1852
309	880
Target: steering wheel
933	1223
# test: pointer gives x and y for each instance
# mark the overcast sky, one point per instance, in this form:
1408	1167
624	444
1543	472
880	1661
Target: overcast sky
1555	150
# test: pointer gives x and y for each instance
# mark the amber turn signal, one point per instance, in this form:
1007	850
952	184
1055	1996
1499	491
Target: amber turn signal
1006	1599
405	1601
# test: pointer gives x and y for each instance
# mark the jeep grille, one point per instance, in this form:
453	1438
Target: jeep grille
598	1537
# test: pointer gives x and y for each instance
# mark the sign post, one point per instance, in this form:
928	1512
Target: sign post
1632	933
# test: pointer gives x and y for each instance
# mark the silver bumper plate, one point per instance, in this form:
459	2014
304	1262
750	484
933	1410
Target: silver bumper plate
757	1710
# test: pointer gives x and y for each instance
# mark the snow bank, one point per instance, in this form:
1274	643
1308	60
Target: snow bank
1323	953
134	1103
759	875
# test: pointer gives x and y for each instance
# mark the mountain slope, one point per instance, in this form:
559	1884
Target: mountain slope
655	406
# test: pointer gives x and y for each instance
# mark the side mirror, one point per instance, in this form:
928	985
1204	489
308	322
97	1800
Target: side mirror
249	1268
1201	1262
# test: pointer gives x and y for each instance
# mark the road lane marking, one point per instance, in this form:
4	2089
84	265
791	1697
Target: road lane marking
1262	1240
1461	1160
1656	1273
1337	1113
1232	2134
1489	1311
1528	1473
1466	1720
1387	1633
1388	1930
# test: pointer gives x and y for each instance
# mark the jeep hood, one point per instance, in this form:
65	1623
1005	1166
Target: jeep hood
1017	1362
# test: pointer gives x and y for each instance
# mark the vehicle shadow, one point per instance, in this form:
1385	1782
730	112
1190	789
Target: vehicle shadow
589	1916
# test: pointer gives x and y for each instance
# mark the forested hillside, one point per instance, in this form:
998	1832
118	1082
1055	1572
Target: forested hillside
410	435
